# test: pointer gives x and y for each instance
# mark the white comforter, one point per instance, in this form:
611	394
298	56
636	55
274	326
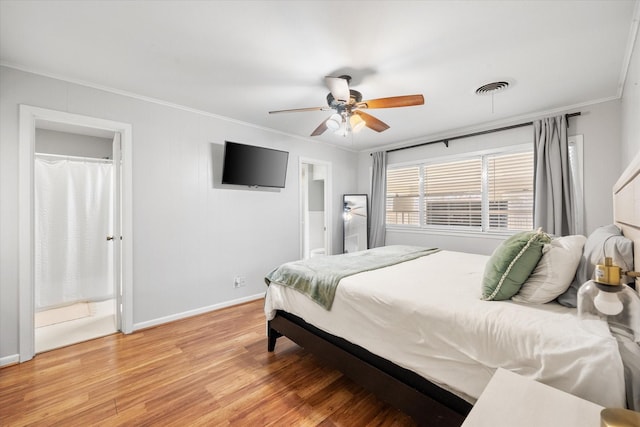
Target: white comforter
426	315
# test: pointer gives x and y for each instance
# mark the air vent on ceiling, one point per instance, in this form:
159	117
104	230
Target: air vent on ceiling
491	88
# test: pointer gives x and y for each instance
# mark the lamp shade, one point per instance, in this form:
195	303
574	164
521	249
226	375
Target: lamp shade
618	305
334	122
343	129
356	123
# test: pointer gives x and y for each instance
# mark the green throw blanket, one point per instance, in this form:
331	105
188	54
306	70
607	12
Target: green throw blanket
318	277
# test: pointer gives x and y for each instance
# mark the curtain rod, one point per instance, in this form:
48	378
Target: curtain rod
75	158
484	132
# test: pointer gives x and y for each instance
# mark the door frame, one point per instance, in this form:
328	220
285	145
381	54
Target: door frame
29	118
328	209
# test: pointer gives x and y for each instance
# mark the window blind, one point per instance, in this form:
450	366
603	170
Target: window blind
403	195
510	191
453	193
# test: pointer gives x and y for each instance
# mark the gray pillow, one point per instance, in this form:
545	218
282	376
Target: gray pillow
604	241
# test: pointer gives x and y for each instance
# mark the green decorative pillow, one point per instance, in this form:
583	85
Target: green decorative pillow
511	264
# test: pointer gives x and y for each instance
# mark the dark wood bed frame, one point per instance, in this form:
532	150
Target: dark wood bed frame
427	403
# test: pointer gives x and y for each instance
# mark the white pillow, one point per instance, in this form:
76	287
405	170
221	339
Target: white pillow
554	272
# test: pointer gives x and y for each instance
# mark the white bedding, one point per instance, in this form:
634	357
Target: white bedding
426	315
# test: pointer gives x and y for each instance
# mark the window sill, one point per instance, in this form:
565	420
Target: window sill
452	233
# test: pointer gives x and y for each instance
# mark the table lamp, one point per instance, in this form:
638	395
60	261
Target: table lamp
608	298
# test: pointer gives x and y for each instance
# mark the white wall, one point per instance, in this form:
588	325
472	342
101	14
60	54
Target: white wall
191	235
600	126
631	108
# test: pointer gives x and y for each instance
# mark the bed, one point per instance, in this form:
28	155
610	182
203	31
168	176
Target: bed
428	353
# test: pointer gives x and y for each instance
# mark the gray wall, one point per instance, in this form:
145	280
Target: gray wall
600	126
316	192
73	144
631	108
190	238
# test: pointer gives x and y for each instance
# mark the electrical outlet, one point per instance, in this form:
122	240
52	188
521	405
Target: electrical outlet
239	281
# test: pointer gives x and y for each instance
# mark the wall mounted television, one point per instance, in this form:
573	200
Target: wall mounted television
254	166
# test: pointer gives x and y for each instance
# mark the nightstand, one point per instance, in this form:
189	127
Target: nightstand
513	400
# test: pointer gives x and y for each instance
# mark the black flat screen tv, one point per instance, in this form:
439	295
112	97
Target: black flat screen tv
254	166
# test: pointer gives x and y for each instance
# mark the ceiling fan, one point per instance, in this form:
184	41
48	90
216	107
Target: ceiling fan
349	210
348	105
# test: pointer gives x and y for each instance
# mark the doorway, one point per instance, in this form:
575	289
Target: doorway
315	208
74	195
34	120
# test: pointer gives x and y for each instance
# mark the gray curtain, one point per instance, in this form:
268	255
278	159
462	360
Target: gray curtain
553	190
378	200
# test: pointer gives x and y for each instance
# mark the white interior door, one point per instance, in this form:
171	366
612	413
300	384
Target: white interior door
304	210
116	236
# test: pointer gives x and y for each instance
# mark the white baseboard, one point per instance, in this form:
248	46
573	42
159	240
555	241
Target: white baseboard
190	313
9	360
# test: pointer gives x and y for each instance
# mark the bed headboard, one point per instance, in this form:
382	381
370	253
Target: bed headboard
626	207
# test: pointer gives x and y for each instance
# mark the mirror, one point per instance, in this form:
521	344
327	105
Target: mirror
355	222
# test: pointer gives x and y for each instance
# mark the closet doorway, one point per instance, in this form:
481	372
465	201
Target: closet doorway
315	208
75	229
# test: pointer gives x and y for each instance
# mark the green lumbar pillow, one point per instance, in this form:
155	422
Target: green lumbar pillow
511	264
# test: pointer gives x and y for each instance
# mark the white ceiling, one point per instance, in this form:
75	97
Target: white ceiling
241	59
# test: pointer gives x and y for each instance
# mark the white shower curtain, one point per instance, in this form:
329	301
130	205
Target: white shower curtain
73	259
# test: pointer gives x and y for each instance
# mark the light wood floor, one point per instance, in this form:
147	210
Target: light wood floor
212	369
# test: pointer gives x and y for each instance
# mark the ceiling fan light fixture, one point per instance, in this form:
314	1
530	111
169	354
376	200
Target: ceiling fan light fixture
344	128
334	122
343	131
356	123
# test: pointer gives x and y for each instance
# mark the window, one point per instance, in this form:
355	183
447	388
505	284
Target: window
489	192
403	196
510	191
453	193
576	162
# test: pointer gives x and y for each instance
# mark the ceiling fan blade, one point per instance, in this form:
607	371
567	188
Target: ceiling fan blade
371	122
297	110
320	129
339	88
392	102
